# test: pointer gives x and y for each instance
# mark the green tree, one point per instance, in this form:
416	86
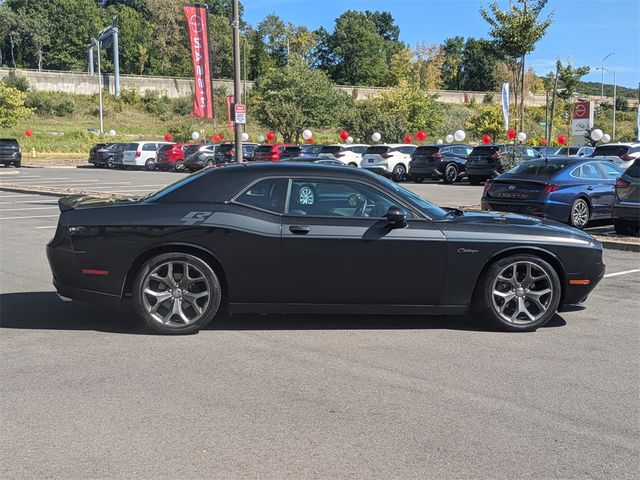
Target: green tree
367	117
569	80
136	39
12	108
452	66
487	120
419	109
295	97
515	33
170	54
478	66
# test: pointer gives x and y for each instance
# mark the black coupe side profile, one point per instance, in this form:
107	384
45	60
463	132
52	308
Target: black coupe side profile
294	237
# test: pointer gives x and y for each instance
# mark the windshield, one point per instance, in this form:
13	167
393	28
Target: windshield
428	208
536	168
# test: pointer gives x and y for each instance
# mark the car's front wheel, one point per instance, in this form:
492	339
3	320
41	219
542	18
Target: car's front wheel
519	293
150	164
580	213
451	174
176	293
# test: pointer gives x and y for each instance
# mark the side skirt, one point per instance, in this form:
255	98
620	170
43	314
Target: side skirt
347	309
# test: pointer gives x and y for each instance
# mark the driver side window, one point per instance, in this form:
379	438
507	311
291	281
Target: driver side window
337	198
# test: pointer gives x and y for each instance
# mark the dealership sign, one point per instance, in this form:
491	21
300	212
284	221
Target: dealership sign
582	120
199	43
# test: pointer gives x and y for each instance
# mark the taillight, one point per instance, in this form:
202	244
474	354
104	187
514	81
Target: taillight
338	154
437	156
138	153
620	183
275	157
385	155
626	157
487	186
548	188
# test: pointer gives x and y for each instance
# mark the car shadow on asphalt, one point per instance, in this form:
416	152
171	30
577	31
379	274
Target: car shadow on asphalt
45	311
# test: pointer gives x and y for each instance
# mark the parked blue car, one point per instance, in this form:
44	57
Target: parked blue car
571	190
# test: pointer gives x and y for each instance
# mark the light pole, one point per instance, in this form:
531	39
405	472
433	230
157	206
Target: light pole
235	24
97	44
602	79
613	130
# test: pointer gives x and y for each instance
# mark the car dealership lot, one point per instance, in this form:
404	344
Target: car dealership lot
86	393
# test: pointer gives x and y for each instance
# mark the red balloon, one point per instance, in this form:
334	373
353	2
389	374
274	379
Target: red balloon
562	139
271	136
216	137
310	140
421	136
408	138
511	133
486	139
543	141
167	137
28	132
344	134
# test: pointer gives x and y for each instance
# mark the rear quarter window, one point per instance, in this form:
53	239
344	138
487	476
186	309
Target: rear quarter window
149	147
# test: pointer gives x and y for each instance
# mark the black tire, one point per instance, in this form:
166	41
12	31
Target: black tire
17	165
353	164
399	172
623	227
580	213
150	164
209	163
473	180
418	179
488	299
110	163
451	174
209	282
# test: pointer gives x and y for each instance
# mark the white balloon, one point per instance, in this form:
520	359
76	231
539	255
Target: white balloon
606	138
195	135
596	135
376	137
449	138
245	137
459	135
439	142
112	133
307	134
349	140
522	136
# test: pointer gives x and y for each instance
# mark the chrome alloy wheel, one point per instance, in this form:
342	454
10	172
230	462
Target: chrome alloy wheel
522	293
580	213
176	294
306	196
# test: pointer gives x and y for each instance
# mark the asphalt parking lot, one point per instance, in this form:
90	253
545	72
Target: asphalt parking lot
86	393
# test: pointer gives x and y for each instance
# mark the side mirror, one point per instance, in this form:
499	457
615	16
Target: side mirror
396	217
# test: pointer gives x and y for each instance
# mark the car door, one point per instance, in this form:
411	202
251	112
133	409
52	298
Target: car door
338	248
597	188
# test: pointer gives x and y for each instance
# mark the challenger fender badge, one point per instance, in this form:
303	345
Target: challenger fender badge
193	218
466	250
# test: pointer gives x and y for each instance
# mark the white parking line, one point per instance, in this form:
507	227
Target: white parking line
25	209
23	218
625	272
47	226
34	201
22	195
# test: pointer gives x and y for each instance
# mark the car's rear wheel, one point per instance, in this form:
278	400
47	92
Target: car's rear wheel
473	180
176	293
623	227
110	163
451	174
209	163
353	164
399	172
418	179
150	164
580	213
519	293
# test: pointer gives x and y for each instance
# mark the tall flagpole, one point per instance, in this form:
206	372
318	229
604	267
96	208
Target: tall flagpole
235	24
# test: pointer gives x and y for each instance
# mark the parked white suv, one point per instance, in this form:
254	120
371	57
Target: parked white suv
142	154
390	160
348	154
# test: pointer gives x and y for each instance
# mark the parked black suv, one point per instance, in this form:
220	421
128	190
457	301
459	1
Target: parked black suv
10	152
110	155
488	161
226	152
93	152
438	161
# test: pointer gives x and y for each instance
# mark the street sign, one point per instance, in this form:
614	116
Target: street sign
240	110
542	124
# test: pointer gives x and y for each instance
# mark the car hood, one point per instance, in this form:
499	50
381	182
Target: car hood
505	225
74	202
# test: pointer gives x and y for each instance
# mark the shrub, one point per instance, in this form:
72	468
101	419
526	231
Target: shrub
40	102
154	103
181	131
16	81
130	96
488	98
65	108
182	106
12	106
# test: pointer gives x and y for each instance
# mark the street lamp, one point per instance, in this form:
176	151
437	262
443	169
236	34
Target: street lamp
613	130
602	79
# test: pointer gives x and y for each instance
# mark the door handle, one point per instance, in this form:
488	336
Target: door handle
299	229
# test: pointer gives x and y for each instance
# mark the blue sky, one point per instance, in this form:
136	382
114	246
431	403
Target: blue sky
583	30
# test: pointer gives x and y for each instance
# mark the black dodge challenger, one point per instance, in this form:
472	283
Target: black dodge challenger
312	238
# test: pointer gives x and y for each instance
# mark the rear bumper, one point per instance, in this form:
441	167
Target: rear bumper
424	171
485	172
87	296
554	211
379	170
626	211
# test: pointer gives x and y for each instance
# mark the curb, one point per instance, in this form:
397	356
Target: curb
10	173
607	242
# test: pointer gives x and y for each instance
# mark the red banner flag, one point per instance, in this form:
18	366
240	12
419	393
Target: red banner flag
199	42
230	113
